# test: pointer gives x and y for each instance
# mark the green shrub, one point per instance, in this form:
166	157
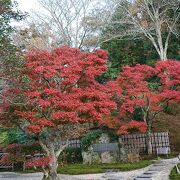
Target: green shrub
24	148
87	140
71	155
174	175
31	148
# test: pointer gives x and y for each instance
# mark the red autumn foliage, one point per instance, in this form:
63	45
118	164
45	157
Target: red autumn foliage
39	162
132	126
63	88
59	90
151	89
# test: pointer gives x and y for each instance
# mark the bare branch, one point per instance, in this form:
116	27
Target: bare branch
149	18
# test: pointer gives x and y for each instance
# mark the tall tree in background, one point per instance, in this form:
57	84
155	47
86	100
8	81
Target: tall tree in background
8	13
155	20
67	20
9	59
138	51
35	36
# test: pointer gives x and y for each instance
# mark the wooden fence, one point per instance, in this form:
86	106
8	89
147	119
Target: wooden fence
75	143
139	142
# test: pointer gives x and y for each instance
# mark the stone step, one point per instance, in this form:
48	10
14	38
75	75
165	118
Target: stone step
143	179
158	165
150	172
144	176
112	177
156	169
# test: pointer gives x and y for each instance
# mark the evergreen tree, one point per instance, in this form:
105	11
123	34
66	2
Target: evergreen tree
8	58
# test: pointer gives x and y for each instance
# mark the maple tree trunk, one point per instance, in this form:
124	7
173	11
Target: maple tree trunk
51	173
53	169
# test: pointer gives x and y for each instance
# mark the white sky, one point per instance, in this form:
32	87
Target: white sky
27	5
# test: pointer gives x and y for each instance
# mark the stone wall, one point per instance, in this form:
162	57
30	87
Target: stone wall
91	157
108	157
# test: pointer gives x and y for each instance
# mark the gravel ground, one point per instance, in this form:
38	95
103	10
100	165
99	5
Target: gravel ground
128	175
158	171
20	176
167	166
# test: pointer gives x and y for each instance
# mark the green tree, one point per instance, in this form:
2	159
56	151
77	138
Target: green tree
8	59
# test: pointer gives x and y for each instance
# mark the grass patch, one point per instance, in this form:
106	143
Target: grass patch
75	169
174	175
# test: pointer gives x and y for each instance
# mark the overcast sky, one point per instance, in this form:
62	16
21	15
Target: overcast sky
27	5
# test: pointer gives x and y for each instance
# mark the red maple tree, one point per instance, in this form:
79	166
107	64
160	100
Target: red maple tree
61	91
60	94
150	89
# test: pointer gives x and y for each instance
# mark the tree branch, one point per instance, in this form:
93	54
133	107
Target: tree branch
62	148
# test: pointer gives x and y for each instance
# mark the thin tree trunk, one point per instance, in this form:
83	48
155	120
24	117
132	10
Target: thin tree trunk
149	125
149	144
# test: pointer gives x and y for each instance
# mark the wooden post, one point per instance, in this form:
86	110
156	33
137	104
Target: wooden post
177	169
